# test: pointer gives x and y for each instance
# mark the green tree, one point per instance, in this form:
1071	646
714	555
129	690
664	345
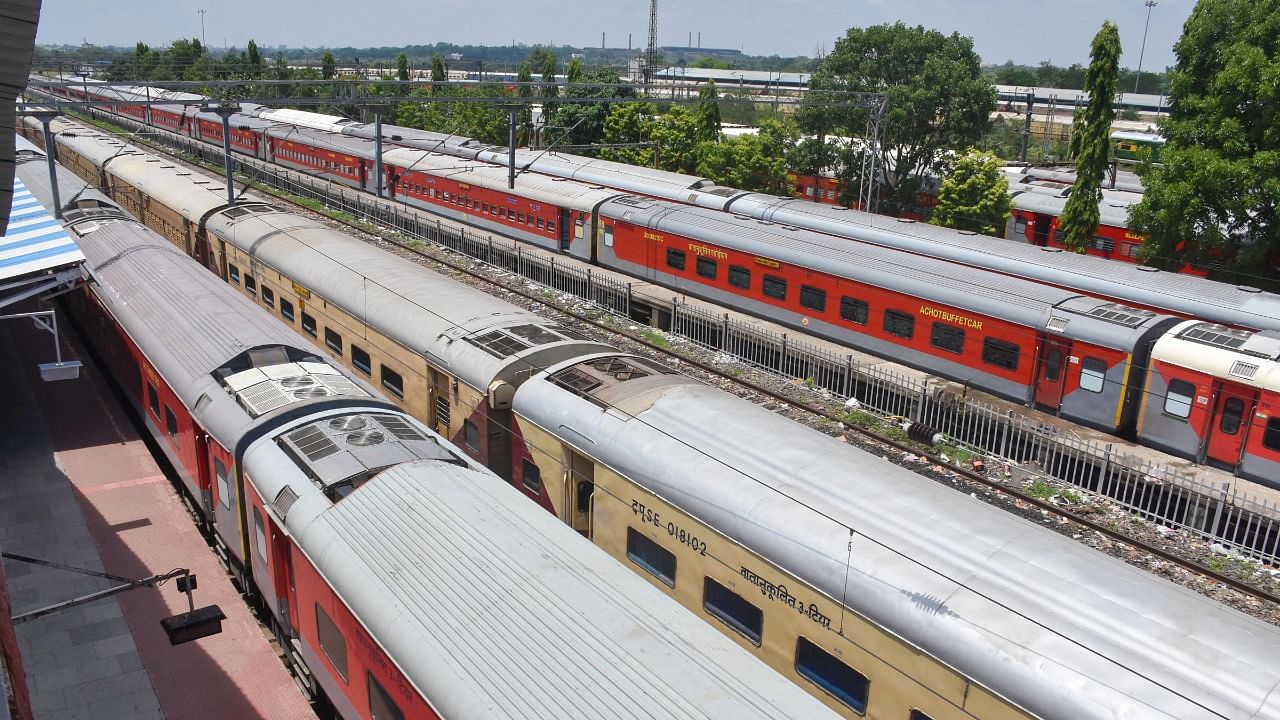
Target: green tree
438	73
328	66
471	119
749	162
549	87
524	77
709	111
938	99
573	74
402	70
675	134
975	196
629	123
253	60
582	123
1091	140
1214	198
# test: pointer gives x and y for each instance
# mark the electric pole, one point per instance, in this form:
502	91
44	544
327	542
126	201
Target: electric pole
1138	76
651	53
203	42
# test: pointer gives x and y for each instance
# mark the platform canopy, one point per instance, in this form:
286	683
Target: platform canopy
36	253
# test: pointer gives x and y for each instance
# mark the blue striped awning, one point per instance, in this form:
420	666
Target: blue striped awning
34	241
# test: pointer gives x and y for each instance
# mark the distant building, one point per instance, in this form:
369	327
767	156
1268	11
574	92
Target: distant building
454	57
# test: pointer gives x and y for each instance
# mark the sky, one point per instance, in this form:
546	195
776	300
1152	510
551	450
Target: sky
1025	31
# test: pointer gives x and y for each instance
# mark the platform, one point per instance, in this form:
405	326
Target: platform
78	486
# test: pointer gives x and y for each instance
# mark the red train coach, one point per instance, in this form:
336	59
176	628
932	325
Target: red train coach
551	213
1213	396
1071	355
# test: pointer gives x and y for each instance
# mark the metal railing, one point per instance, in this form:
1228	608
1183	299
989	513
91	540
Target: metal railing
1155	491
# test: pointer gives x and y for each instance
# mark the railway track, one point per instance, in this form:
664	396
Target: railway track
1190	566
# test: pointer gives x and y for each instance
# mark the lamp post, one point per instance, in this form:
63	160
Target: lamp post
1138	76
203	42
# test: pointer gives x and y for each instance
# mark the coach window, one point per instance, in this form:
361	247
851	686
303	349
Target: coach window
827	672
360	359
333	340
286	309
733	610
1177	401
1020	225
1000	353
813	298
542	224
471	435
332	643
739	277
171	424
381	706
775	287
153	399
1093	374
259	535
1271	436
1232	415
520	217
853	310
308	325
268	298
531	476
551	226
224	487
233	272
608	236
250	284
651	556
899	324
917	715
706	268
392	381
675	258
947	337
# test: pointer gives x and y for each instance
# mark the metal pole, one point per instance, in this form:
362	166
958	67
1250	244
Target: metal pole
225	112
511	148
53	174
1138	75
377	151
1026	128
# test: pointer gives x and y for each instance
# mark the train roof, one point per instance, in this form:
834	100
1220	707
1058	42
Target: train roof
470	333
539	188
1113	209
228	361
628	178
1240	356
991	294
1178	293
536	622
1054	626
306	119
73	191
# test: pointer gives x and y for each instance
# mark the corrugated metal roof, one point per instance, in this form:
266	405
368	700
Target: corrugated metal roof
35	240
494	608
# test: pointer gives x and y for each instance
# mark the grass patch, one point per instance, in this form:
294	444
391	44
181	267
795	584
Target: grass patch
1041	489
655	338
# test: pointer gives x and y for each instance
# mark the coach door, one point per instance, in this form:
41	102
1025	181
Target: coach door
580	486
1230	427
1052	374
1041	224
